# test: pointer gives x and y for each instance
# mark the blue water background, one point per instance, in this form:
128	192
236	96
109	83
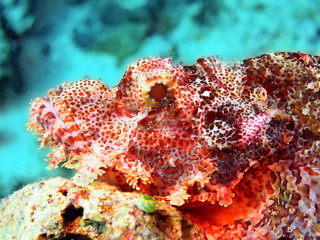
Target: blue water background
70	40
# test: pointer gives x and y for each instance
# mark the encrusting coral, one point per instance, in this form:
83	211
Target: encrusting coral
236	145
57	209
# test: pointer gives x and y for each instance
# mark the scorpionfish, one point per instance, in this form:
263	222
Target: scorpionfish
235	146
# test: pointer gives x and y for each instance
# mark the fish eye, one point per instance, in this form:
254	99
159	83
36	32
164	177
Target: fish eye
158	94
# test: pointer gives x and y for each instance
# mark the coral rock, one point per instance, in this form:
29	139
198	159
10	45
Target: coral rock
57	209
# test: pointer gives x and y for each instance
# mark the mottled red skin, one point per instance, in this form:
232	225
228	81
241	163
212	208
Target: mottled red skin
236	145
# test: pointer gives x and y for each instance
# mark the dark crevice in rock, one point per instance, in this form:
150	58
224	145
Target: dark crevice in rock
71	213
74	237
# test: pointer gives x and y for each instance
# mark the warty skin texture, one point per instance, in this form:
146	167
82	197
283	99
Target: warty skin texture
240	139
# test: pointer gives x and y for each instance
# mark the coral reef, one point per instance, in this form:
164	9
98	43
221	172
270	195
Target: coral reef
240	138
17	15
15	20
6	71
57	209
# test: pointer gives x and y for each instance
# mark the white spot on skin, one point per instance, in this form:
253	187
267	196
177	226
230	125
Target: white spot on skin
206	93
305	111
310	85
314	85
172	162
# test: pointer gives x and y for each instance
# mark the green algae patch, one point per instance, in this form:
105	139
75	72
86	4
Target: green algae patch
146	204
